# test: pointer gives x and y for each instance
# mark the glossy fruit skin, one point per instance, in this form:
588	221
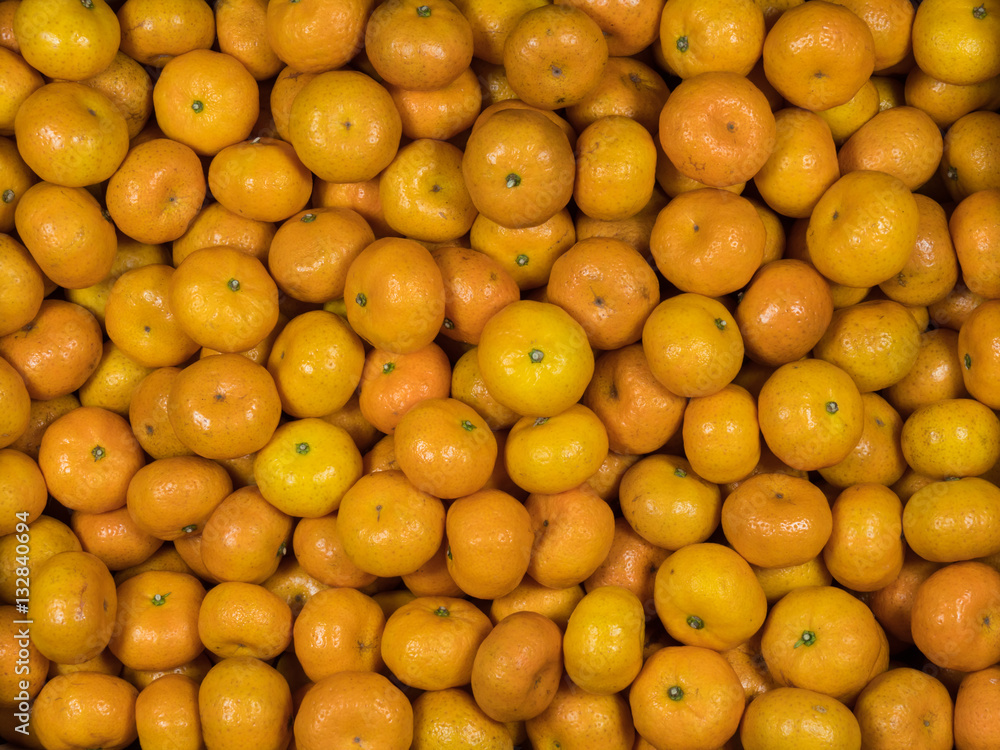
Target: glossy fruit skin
395	295
866	550
86	707
244	700
519	168
690	587
535	358
876	331
979	353
667	688
490	532
722	435
307	466
554	454
784	312
224	416
768	725
158	607
952	614
667	503
66	583
349	704
695	129
952	438
692	344
445	448
331	155
518	667
602	645
412	634
846	246
68	236
71	149
905	703
954	520
811	414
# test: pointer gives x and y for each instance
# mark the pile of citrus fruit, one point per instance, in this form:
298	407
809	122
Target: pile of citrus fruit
598	374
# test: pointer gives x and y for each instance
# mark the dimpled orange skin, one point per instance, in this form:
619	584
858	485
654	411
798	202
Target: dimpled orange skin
424	195
157	620
153	180
774	520
308	390
953	520
692	344
863	230
707	595
973	226
615	168
721	435
260	179
788	297
71	134
86	707
903	141
639	414
51	371
244	702
73	606
628	87
955	44
518	169
431	642
951	438
485	527
841	646
66	234
354	136
678	683
185	488
719	140
932	269
72	458
574	531
139	301
445	447
806	42
877	457
708	241
603	641
354	709
418	517
476	286
518	667
312	251
793	716
224	299
811	414
554	454
877	331
385	285
530	384
207	420
866	549
417	44
979	352
559	66
802	165
954	615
